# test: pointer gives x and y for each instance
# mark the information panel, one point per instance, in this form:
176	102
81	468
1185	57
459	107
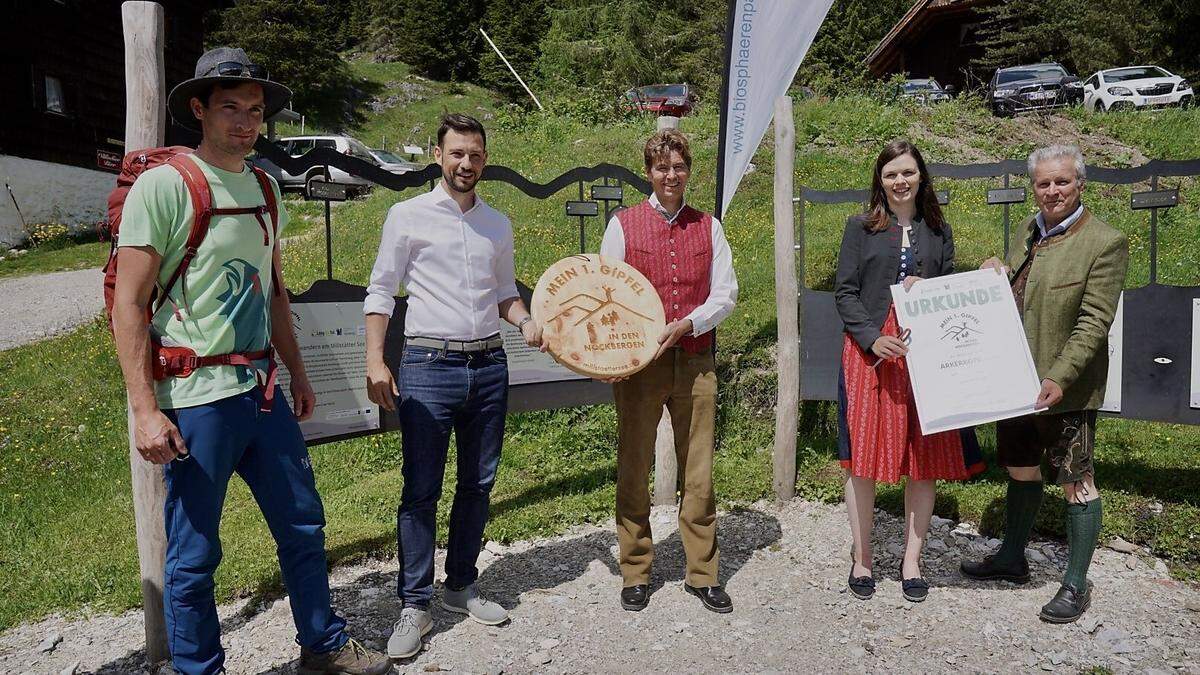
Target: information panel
333	344
1116	338
528	365
1195	352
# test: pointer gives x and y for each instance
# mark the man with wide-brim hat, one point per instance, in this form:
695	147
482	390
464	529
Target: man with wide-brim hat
222	416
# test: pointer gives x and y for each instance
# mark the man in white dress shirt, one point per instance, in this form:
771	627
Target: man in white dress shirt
684	254
453	254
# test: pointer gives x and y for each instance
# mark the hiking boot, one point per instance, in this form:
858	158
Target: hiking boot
405	641
468	601
989	568
1067	606
351	659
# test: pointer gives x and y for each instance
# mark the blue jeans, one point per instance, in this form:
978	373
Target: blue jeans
267	450
440	392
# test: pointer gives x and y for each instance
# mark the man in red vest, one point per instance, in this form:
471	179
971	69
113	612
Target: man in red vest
684	254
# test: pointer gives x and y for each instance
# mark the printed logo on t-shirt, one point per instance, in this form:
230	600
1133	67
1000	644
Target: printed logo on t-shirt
245	307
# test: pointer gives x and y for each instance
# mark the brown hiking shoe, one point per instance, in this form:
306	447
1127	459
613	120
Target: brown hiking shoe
351	659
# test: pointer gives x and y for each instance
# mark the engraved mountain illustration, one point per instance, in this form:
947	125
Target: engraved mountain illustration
583	301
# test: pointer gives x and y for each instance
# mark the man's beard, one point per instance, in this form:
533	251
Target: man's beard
459	184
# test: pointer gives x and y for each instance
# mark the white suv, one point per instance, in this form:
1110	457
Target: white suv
1135	87
298	145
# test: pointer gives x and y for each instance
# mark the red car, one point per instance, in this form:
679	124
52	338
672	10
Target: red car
662	99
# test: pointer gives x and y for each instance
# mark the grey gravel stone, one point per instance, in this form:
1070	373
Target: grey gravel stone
1121	546
49	642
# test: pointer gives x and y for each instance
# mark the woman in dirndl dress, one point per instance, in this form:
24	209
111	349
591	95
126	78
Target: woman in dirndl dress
901	239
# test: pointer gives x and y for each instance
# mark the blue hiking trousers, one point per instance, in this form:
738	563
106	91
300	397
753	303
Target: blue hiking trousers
267	450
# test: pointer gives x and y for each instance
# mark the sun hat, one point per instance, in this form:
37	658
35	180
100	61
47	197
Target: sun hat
224	64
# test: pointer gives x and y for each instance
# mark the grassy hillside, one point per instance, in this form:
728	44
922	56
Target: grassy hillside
62	441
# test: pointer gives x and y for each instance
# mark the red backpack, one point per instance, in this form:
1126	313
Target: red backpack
183	361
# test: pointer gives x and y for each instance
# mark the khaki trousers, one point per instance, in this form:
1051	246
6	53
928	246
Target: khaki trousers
687	385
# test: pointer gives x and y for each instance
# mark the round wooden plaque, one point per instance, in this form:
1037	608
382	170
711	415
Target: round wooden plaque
599	317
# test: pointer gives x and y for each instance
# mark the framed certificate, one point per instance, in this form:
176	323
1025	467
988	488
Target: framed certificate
969	361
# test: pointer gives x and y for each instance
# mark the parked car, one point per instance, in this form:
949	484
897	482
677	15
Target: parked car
1135	87
662	99
1040	86
925	91
298	145
390	162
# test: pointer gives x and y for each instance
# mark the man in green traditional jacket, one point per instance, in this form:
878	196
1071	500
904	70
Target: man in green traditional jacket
1067	268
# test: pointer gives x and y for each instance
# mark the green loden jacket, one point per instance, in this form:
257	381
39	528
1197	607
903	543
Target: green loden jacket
1070	301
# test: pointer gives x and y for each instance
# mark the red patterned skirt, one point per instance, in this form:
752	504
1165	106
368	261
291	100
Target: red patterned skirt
882	433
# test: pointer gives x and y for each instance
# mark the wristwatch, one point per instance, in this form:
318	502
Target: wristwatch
522	322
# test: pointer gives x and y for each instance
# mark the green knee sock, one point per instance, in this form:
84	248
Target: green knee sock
1022	504
1083	530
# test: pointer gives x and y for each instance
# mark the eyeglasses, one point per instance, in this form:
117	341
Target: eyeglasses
236	69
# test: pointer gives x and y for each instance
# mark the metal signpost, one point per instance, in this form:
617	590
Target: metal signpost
583	209
327	191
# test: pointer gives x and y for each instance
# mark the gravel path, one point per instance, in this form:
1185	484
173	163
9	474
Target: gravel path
786	570
48	304
38	306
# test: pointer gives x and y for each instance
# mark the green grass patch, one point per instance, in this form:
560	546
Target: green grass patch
66	530
57	256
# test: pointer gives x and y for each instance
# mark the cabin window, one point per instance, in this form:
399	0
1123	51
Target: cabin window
55	100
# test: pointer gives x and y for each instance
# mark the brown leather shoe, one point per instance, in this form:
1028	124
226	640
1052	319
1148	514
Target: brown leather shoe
351	659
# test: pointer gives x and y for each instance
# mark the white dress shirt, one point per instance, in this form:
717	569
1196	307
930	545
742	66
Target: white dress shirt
456	267
723	288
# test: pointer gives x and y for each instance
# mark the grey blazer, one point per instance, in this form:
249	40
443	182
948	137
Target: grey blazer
867	266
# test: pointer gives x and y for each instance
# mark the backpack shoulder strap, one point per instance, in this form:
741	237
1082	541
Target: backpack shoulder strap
264	182
202	202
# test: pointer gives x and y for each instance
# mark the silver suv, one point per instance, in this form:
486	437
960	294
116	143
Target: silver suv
347	145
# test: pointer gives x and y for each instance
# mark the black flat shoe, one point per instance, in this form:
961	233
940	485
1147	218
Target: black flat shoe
988	568
861	587
635	598
915	590
715	598
1067	606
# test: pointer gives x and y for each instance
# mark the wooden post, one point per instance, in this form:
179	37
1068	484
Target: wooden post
145	127
666	465
788	358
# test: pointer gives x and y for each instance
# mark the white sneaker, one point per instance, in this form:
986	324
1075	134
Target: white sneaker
468	601
405	640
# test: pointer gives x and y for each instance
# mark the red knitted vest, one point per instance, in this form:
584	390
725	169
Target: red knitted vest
676	258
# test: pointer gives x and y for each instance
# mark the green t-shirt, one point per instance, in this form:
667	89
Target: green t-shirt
224	299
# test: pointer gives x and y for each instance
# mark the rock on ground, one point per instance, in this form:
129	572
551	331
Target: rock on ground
785	568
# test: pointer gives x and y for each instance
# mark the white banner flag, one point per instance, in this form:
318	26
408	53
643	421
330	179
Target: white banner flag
767	41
